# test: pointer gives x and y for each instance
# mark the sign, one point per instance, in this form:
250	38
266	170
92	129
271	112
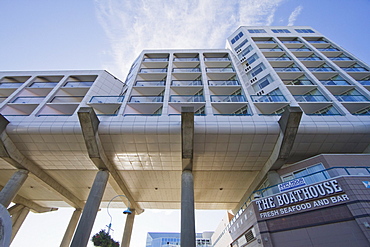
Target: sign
367	184
299	182
305	198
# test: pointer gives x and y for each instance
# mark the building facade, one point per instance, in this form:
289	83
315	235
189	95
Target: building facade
225	120
172	239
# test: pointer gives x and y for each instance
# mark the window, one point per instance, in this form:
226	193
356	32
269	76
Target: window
304	30
252	58
245	51
241	44
256	31
280	30
257	69
263	83
317	171
237	37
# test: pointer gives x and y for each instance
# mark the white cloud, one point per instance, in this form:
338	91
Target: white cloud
132	26
293	16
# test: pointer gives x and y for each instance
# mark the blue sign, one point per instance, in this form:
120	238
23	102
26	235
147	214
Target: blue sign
367	184
292	184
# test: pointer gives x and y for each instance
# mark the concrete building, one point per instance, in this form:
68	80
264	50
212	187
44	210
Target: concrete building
187	129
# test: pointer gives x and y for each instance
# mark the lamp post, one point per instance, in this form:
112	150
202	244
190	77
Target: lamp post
127	211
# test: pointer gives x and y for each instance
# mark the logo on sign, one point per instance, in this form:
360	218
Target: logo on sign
292	184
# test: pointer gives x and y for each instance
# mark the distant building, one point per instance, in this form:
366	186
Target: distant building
171	239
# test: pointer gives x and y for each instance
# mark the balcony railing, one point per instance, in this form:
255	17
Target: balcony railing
335	83
78	84
365	82
327	49
309	58
300	82
106	99
278	59
185	59
317	42
272	49
219	69
10	85
153	70
340	58
185	70
265	42
66	99
228	98
354	69
150	83
164	59
324	69
186	83
43	84
268	98
28	100
216	59
292	41
299	49
351	98
294	69
146	99
224	83
187	98
310	98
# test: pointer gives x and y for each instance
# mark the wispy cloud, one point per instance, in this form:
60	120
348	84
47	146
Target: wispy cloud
293	16
132	26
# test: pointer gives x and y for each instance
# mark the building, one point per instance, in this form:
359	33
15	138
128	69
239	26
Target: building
172	239
188	128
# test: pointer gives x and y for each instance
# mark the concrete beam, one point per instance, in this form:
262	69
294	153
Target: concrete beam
10	153
126	238
83	231
17	220
89	124
12	187
289	123
71	228
187	137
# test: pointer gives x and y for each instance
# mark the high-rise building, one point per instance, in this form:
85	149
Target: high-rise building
172	239
217	123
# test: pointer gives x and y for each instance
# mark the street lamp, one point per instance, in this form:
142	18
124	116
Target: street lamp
127	211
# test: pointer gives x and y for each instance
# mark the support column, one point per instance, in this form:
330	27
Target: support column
126	238
71	228
12	187
187	210
17	223
82	235
274	178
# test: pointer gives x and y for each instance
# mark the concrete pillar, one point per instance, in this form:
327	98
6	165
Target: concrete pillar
274	178
126	238
17	223
12	187
82	235
71	228
187	210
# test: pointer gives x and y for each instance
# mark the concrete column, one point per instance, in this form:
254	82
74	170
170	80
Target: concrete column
187	210
82	235
71	228
12	187
126	238
274	178
17	223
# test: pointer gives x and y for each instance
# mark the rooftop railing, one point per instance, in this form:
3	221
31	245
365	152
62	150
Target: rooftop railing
228	98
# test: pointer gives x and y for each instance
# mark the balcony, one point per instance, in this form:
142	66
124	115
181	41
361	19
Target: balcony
146	99
150	83
351	98
335	83
184	83
278	59
177	101
291	42
223	83
153	70
186	70
327	49
356	69
265	42
268	98
269	104
310	98
164	59
43	84
28	100
364	82
216	59
220	70
340	58
186	59
271	49
106	105
66	99
187	98
317	42
299	83
78	84
289	69
310	59
228	98
320	69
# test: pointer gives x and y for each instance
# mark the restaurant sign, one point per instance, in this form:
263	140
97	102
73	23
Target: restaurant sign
313	196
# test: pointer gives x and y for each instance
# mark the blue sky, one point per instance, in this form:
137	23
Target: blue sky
110	34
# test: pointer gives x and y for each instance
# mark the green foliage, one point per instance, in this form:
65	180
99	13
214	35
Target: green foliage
103	239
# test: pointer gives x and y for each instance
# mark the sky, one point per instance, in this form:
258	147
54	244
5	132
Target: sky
109	34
